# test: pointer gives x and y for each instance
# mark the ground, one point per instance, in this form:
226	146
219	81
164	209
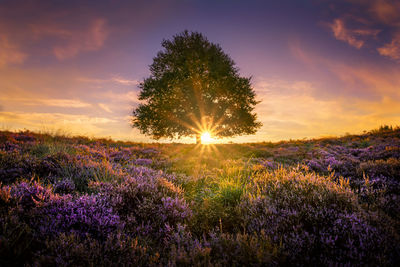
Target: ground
80	201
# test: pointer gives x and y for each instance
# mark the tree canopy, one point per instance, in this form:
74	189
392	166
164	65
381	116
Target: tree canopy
195	87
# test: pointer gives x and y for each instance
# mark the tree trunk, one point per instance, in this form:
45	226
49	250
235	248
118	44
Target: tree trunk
198	139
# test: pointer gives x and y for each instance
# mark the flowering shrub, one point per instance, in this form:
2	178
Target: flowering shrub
116	250
77	201
66	186
86	215
14	166
149	204
221	249
317	220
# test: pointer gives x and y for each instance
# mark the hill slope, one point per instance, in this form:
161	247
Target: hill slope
80	201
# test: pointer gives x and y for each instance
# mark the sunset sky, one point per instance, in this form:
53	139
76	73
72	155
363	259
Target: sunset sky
319	67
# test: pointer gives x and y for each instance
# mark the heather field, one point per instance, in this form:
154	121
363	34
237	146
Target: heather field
95	202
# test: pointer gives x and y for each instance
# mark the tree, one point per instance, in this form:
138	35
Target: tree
194	87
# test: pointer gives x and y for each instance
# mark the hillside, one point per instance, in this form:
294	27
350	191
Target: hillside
80	201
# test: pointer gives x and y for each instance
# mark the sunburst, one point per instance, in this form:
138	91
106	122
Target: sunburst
206	138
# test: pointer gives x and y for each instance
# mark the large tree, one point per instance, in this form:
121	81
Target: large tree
195	87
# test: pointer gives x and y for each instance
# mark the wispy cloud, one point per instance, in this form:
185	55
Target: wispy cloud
100	126
357	80
120	97
351	36
374	23
368	81
392	49
10	53
290	110
51	102
114	79
293	109
385	11
105	107
70	103
74	41
77	124
124	81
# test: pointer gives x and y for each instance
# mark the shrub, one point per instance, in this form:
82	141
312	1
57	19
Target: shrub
389	168
66	186
317	220
148	203
221	249
14	166
82	169
72	250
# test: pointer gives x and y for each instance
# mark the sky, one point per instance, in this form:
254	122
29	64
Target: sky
319	67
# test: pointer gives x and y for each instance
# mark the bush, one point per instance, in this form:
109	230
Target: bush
318	221
76	201
149	204
72	250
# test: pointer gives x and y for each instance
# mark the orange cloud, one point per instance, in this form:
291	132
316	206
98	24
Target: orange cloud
360	80
381	82
386	12
116	127
51	102
105	107
115	79
124	81
51	98
392	49
90	38
291	109
350	36
127	98
9	53
76	124
360	23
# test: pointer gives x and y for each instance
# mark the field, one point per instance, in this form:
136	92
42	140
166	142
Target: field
97	202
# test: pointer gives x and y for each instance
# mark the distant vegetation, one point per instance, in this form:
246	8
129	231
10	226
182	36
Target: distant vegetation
80	201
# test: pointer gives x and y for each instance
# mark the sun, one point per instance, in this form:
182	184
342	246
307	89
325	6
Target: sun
206	138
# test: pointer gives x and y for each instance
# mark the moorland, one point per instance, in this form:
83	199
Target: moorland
97	202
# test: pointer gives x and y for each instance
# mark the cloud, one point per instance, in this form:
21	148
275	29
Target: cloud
373	23
120	97
114	79
392	49
385	11
352	80
76	124
64	31
116	127
74	41
283	87
292	109
369	80
64	103
124	81
70	103
351	36
42	90
105	107
10	53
